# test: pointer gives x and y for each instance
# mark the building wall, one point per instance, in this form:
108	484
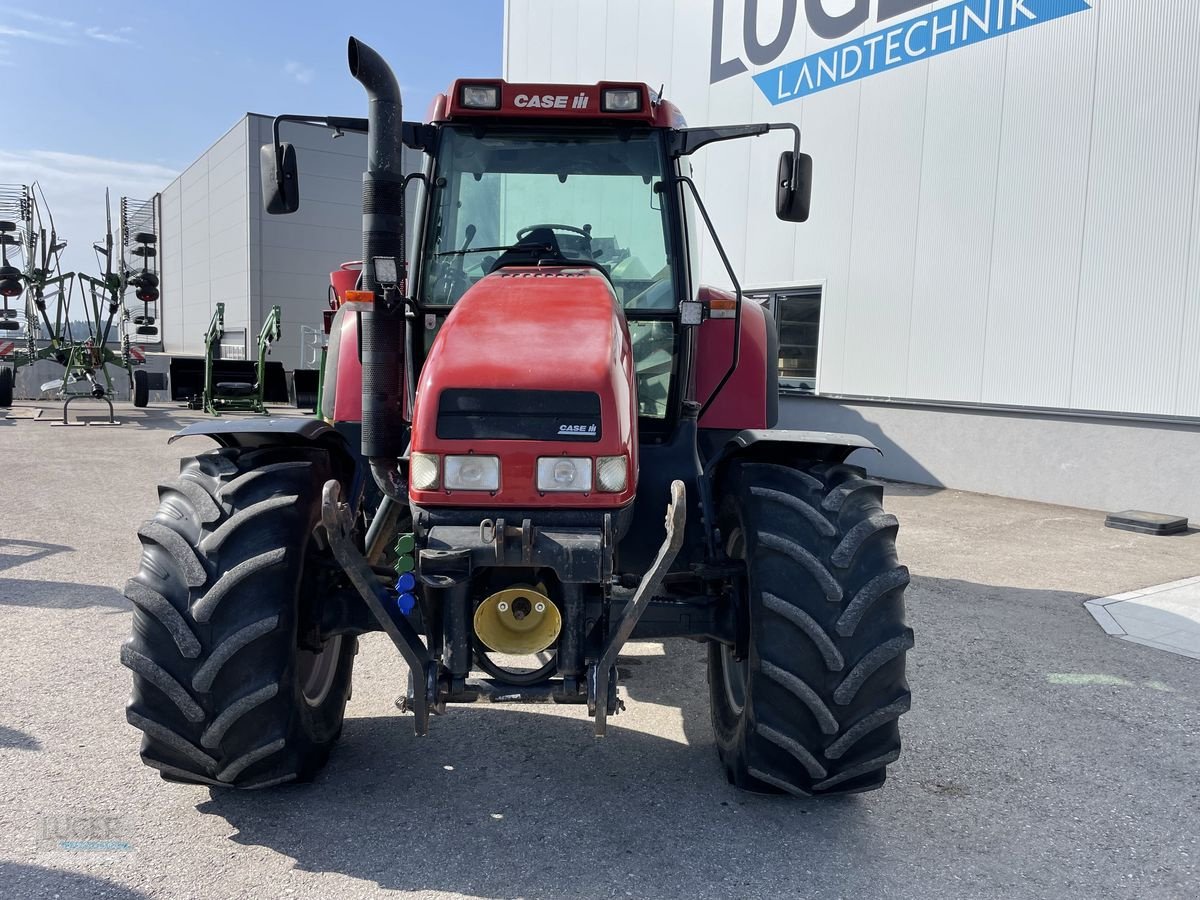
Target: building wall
205	245
1009	223
1083	461
292	255
218	244
1006	235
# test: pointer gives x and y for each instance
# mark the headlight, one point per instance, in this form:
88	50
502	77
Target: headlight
480	96
423	471
612	473
472	473
621	100
564	473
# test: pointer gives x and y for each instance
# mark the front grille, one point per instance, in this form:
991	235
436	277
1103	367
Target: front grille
512	415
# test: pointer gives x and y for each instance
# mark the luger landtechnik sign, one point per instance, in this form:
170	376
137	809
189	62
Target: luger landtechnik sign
912	40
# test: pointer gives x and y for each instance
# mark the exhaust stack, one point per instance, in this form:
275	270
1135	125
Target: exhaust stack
383	236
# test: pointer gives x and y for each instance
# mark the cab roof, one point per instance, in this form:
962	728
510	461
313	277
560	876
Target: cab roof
566	103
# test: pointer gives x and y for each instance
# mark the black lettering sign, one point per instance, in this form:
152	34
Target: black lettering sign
820	21
833	27
761	54
718	69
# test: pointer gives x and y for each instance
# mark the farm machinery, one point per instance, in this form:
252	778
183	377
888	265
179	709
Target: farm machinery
539	438
236	396
43	329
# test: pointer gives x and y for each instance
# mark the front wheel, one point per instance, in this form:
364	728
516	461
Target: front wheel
231	683
810	705
6	387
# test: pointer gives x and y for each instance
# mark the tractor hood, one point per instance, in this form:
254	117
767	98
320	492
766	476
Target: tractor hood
532	361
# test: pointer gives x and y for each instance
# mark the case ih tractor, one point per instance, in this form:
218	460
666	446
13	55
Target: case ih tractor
508	413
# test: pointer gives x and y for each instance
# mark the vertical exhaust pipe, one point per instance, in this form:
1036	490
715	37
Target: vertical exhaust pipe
383	235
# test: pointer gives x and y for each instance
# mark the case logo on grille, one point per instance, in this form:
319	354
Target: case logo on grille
577	429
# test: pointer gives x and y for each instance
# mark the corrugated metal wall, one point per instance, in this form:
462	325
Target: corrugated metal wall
218	245
205	240
1011	223
291	256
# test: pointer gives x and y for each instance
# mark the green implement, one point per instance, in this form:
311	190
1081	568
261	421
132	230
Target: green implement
237	396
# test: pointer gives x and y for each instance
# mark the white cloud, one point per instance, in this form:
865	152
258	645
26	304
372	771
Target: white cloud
119	36
38	18
43	37
74	187
300	73
63	32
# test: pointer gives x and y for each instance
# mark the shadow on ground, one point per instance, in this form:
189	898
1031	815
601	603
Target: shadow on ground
504	802
60	595
16	552
14	739
20	880
1024	717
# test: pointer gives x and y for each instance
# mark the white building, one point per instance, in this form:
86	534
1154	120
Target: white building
1000	281
219	245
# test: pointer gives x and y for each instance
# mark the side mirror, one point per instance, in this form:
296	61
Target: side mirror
280	181
793	190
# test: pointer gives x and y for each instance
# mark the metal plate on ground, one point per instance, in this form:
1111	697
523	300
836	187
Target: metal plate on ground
1166	616
23	413
1146	522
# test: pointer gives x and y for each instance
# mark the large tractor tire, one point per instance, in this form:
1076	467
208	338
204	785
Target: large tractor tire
6	387
811	707
230	686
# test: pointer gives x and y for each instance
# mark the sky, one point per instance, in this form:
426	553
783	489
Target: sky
126	96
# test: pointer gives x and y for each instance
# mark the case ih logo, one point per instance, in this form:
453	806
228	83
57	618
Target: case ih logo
577	430
550	101
931	34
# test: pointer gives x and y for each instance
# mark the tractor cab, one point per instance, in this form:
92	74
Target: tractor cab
548	186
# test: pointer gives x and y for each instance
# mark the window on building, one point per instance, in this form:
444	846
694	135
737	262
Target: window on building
797	314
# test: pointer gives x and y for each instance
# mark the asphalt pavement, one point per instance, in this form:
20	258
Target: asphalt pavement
1042	757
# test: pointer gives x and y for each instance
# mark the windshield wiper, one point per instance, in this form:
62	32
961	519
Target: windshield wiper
473	250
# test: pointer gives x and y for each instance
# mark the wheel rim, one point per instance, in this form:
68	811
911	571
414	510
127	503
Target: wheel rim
317	670
734	672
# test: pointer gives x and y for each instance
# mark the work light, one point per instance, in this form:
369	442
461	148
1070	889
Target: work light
472	473
423	471
480	96
621	100
564	473
386	271
612	473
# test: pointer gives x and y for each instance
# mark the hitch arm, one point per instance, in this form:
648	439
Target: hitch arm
335	515
602	672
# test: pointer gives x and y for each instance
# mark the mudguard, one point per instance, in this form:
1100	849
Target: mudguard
769	444
247	433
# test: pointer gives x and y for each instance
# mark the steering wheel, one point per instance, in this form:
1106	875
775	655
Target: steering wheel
528	229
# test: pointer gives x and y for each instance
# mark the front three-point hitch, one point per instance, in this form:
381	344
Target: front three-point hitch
434	682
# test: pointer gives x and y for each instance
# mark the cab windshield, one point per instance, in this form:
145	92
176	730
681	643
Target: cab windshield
503	199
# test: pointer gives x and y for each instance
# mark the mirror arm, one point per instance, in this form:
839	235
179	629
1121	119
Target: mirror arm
416	135
737	292
686	141
794	129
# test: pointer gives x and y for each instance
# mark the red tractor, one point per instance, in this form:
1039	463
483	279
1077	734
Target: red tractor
508	412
